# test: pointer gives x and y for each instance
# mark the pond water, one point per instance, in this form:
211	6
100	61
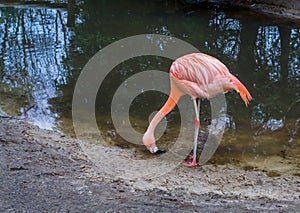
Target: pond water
42	58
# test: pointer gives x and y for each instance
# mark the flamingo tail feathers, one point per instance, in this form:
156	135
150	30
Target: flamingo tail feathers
241	89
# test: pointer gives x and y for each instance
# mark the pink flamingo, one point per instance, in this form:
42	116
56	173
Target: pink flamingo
200	76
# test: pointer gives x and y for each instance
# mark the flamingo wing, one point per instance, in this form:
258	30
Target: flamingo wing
203	76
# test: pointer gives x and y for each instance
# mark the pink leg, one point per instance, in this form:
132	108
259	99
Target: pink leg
197	125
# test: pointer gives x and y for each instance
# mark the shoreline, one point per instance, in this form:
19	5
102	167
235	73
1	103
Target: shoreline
46	170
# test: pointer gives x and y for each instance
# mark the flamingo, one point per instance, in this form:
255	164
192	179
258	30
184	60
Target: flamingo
200	76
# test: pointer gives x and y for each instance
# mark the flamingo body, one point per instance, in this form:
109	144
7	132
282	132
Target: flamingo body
203	76
200	76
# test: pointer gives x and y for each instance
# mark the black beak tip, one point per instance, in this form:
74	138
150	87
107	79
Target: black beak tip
158	152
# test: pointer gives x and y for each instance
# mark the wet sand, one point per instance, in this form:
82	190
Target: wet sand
44	170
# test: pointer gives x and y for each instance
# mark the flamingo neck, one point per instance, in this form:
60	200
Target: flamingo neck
175	94
173	99
168	106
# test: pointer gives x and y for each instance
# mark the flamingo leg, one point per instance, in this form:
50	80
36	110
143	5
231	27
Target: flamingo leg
197	125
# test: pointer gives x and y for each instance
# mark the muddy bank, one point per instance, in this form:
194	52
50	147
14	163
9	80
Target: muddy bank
45	170
285	9
281	8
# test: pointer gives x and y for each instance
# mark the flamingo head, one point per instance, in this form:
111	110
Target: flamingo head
148	140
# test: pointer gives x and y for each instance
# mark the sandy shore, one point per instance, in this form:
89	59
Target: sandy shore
45	170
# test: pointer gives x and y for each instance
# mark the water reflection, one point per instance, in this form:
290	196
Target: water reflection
34	50
225	36
41	59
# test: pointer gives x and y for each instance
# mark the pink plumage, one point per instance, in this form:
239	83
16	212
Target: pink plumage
203	76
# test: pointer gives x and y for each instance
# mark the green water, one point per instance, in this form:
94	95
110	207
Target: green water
41	59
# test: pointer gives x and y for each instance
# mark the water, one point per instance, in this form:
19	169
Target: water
41	59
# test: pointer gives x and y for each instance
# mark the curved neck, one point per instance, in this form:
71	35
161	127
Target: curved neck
173	99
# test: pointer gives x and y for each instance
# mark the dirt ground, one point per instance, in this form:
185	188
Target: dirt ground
42	170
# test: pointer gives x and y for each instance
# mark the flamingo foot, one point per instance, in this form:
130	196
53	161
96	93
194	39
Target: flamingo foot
192	164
